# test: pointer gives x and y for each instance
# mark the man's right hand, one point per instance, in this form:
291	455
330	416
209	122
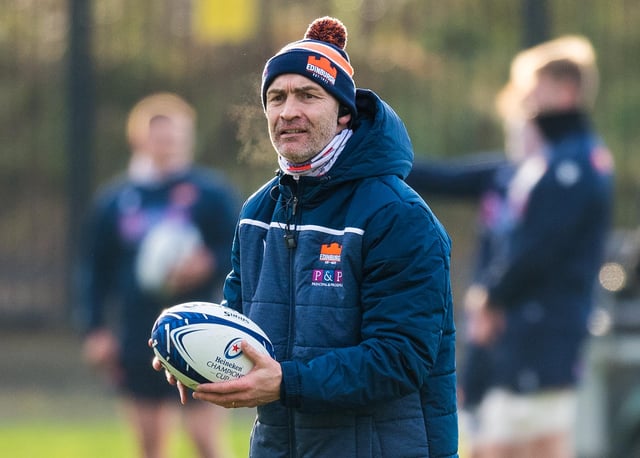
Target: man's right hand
182	390
484	322
101	351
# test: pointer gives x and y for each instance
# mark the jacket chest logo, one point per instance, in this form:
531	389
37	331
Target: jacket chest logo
330	255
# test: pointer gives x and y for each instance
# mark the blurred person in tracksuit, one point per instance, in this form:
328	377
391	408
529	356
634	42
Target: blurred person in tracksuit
544	216
138	224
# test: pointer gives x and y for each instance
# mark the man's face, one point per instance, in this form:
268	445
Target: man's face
550	95
169	142
302	117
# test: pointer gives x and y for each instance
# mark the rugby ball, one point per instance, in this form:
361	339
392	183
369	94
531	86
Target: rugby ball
199	342
162	249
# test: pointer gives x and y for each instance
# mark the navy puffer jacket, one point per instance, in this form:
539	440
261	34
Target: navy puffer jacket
359	310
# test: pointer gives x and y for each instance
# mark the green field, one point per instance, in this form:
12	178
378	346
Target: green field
66	438
53	406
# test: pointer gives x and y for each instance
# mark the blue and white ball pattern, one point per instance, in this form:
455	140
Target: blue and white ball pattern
199	342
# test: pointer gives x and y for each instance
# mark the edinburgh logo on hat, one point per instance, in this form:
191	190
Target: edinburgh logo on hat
321	68
321	57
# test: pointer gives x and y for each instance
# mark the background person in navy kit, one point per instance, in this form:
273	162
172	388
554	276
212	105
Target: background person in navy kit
162	188
549	215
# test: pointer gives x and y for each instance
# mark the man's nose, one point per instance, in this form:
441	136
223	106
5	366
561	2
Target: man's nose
290	108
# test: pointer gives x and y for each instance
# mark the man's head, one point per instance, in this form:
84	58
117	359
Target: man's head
321	57
557	75
557	88
308	92
303	118
160	130
160	104
170	142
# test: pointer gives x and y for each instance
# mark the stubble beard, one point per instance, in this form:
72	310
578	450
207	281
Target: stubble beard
299	152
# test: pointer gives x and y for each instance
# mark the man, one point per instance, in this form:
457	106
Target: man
347	271
163	200
545	219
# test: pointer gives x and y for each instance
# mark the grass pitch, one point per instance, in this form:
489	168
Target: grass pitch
53	406
111	438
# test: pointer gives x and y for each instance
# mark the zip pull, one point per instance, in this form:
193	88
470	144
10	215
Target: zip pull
290	238
290	241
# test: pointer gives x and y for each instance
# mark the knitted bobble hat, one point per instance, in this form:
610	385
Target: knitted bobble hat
321	57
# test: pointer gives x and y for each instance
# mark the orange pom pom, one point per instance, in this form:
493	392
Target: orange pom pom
328	29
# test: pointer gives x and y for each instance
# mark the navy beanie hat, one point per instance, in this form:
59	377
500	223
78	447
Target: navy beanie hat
321	57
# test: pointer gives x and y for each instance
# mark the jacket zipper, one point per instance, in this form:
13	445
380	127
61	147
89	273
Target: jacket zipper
291	245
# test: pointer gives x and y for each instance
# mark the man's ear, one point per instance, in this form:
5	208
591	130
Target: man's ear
345	121
344	116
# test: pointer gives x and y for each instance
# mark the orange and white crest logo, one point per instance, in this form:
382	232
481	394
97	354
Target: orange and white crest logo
330	252
322	68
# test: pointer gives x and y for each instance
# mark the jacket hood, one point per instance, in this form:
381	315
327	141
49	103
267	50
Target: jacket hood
380	144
